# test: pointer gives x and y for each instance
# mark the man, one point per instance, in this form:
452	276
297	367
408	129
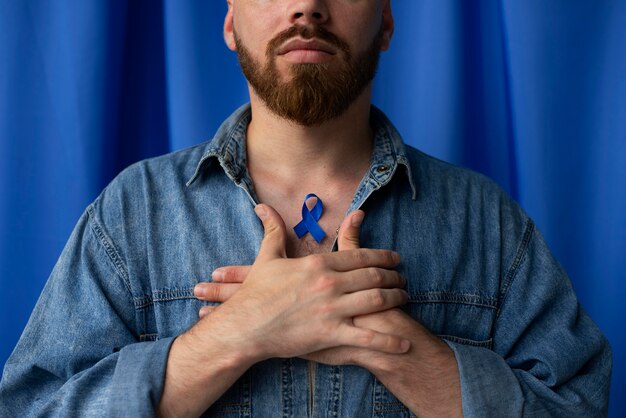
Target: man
462	310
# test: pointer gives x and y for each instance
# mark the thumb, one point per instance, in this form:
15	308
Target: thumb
275	238
348	238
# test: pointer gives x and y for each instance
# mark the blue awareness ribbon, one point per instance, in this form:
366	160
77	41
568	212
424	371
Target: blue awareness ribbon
309	220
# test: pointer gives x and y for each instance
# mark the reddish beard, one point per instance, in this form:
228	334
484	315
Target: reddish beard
316	93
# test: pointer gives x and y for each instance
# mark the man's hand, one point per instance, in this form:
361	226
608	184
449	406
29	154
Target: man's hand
428	360
228	280
284	308
292	307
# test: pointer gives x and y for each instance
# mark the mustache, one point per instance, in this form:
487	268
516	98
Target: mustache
307	32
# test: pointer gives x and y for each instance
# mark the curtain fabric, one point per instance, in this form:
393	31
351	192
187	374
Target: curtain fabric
529	92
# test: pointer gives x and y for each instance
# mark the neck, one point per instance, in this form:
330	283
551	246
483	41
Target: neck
338	149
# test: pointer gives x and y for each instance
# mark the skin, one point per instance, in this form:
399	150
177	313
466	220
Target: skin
278	176
298	299
264	318
428	360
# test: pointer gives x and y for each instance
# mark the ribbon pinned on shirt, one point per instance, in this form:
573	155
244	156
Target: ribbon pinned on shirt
309	220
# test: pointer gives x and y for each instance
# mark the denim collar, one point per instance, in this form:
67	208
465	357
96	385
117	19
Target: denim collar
228	147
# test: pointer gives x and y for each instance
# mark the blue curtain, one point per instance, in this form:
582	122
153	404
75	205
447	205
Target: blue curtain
530	92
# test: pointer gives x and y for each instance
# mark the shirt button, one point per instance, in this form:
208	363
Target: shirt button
382	168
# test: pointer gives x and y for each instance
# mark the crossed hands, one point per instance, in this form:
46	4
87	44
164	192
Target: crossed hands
334	308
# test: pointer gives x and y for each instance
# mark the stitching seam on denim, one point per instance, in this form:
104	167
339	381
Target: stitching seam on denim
163	296
444	297
334	398
214	151
467	341
110	249
148	337
517	262
286	370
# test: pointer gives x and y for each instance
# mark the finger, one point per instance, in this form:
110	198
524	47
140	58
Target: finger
370	301
275	238
348	238
206	310
215	292
369	278
381	321
349	260
230	274
373	340
335	356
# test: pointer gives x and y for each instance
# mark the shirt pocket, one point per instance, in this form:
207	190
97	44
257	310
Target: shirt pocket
457	317
465	318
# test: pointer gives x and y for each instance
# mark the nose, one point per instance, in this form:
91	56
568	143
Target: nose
309	12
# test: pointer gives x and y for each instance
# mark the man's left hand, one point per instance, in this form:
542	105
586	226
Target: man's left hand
429	360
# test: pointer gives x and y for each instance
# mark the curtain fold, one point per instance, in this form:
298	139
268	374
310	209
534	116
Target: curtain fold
528	92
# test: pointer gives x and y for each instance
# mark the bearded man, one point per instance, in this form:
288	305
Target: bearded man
443	301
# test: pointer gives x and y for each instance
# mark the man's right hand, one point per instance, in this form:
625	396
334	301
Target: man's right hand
285	308
292	307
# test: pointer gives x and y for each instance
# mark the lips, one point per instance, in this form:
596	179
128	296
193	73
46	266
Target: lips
305	45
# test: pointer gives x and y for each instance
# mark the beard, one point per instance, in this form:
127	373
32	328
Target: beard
316	93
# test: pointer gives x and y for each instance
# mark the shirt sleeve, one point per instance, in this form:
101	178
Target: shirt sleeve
548	357
81	354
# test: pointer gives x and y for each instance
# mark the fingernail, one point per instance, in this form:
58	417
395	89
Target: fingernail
396	257
405	345
218	275
198	290
357	219
261	212
204	311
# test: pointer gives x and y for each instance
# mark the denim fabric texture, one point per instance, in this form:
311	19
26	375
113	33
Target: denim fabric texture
479	275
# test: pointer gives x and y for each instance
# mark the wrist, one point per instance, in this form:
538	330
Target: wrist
436	365
201	345
432	356
198	372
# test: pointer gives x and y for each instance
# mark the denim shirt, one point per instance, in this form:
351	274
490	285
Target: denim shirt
479	275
